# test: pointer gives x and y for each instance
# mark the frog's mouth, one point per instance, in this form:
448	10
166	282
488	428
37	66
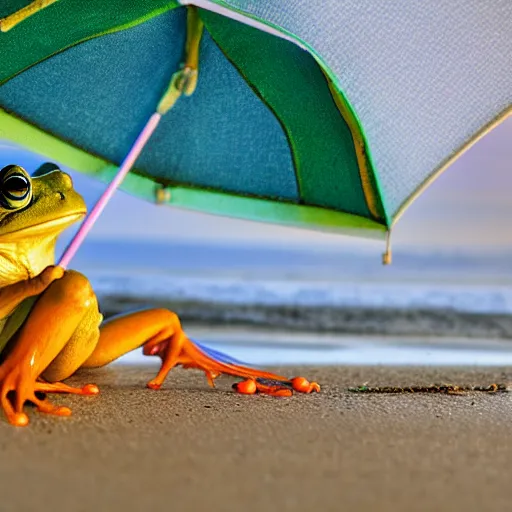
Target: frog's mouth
46	228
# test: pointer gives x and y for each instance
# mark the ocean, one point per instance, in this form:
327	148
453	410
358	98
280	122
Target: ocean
245	275
269	305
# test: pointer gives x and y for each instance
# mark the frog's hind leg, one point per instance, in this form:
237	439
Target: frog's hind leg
160	333
51	324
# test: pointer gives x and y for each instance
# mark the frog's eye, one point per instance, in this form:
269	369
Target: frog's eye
15	187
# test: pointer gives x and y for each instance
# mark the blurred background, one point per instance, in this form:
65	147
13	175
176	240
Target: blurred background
271	294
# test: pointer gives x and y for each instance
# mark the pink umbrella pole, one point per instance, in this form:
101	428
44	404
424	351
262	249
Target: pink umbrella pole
127	164
182	81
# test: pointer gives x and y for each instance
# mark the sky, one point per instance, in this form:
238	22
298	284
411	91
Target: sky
468	207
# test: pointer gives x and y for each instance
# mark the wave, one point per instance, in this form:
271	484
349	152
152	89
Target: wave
413	296
349	308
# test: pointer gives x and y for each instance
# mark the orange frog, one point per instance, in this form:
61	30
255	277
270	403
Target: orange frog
50	324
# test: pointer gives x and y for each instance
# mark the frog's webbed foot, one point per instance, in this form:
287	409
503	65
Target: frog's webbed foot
182	351
18	386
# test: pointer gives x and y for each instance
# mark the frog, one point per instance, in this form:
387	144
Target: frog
50	321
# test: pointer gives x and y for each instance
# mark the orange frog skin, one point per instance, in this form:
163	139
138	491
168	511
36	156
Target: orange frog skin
50	324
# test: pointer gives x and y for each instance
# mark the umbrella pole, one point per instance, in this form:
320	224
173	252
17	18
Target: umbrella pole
127	164
182	82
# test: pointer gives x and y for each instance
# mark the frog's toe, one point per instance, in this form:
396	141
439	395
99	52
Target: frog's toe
18	419
47	407
60	387
302	385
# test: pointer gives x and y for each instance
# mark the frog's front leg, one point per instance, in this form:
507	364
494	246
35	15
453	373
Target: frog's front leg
159	331
52	322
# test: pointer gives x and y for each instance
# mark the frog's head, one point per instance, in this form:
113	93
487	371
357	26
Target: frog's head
41	206
33	212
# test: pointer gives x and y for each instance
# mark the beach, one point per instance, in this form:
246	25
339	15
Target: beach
189	447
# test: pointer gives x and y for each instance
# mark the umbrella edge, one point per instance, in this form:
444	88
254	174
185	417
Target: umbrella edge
24	134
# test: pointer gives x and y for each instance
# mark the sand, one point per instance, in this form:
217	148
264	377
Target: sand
187	447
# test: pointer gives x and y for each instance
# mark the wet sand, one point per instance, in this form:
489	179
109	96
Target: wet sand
188	447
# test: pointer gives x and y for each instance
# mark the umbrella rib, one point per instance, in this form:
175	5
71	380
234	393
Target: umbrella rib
17	17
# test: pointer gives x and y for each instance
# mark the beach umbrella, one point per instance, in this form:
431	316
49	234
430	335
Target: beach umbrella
328	115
